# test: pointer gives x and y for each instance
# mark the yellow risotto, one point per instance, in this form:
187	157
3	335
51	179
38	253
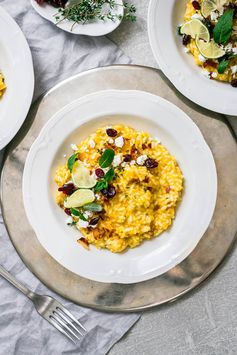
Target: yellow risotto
2	85
119	188
217	53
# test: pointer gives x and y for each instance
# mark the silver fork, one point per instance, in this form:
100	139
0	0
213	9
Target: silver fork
50	309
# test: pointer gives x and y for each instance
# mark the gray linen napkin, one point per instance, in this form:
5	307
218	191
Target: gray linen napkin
56	55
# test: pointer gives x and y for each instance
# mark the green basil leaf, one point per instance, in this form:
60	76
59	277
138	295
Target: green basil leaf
106	158
77	213
71	162
93	207
100	185
223	28
109	175
222	66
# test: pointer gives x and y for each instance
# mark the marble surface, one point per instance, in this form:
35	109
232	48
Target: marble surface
205	321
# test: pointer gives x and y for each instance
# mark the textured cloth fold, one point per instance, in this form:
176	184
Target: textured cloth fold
56	56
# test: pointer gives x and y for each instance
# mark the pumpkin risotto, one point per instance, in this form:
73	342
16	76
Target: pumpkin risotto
120	187
209	33
2	85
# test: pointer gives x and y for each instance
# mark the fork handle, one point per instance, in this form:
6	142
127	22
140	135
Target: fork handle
4	273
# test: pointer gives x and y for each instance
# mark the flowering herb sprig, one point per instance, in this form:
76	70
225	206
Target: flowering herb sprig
90	10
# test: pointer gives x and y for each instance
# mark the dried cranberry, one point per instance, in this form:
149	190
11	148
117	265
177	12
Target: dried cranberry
94	221
68	188
168	188
111	191
127	158
104	192
151	163
99	172
186	39
111	132
196	5
67	211
234	83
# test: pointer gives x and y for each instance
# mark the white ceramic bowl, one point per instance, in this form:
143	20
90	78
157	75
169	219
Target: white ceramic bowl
17	68
95	28
142	111
178	66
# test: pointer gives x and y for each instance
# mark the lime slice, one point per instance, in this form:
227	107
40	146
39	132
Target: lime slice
196	29
208	6
79	198
81	176
209	50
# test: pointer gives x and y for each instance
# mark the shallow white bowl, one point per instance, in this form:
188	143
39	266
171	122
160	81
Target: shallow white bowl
95	28
17	68
142	111
178	66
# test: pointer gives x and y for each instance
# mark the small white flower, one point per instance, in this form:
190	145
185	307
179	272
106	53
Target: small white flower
124	164
132	162
206	73
119	142
117	160
97	196
228	48
69	220
234	50
74	147
110	141
141	160
214	75
201	58
197	16
92	143
82	224
234	69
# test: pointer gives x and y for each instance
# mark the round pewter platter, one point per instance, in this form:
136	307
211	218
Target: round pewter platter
208	254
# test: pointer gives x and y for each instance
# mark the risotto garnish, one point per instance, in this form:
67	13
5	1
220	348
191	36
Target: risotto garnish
119	188
209	33
2	85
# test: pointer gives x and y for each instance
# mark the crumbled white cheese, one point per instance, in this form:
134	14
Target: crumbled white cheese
124	164
82	224
186	50
69	220
214	16
105	170
141	160
206	73
228	47
119	142
117	160
110	141
87	214
201	58
74	147
234	50
97	196
214	75
92	143
197	16
234	69
132	162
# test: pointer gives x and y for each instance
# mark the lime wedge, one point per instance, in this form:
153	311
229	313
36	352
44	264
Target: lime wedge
196	29
79	198
209	50
81	176
208	6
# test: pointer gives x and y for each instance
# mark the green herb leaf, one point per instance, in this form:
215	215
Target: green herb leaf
222	66
93	207
77	213
109	175
71	224
101	185
71	162
223	28
106	158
